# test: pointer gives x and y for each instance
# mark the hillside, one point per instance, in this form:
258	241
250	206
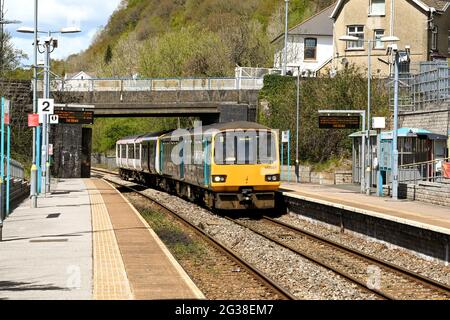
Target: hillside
170	38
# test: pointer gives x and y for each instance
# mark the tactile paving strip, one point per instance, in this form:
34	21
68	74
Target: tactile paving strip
110	279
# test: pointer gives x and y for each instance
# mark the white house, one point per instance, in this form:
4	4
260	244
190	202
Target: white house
78	76
310	44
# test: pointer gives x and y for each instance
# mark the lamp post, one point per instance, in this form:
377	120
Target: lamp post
297	128
394	154
49	45
283	72
368	158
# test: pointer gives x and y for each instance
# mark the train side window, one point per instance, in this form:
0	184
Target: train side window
130	151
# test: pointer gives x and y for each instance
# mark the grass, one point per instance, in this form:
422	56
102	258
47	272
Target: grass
178	242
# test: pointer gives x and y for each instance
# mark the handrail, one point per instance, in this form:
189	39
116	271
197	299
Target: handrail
425	162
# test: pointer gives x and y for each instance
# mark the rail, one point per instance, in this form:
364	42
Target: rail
169	84
431	171
285	294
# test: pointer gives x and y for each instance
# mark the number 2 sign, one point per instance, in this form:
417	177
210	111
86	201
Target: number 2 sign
46	106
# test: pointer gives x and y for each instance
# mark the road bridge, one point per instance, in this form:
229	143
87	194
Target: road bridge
210	99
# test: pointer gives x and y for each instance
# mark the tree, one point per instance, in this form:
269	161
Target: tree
108	55
10	57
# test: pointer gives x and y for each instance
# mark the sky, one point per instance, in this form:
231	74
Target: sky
88	15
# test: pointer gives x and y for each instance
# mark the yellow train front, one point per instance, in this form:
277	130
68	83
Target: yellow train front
228	166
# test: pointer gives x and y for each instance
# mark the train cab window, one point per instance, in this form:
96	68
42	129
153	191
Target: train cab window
123	151
250	147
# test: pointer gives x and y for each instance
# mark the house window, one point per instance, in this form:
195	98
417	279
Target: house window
377	7
310	49
449	41
378	34
434	38
356	31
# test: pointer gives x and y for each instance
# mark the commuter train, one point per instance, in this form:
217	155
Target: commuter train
227	166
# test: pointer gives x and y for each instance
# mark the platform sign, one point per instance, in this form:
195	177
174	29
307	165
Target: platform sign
285	136
46	106
75	117
339	122
7	112
33	120
54	119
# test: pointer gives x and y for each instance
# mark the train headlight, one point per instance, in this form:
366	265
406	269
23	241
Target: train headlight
273	177
219	179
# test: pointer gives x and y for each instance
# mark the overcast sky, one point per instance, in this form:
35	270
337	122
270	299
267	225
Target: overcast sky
89	15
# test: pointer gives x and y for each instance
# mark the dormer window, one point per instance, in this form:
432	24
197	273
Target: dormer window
377	8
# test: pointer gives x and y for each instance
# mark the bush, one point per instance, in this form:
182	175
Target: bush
348	90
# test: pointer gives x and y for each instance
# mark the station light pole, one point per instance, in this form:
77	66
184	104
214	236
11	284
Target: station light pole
50	45
368	157
394	154
283	72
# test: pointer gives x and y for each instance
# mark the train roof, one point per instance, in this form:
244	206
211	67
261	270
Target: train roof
142	137
236	125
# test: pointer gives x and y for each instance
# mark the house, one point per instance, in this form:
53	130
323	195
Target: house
77	80
78	76
423	25
309	46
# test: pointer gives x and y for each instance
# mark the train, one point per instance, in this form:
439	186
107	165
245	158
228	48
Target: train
224	166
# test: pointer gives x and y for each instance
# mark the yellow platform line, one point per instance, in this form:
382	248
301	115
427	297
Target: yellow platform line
110	280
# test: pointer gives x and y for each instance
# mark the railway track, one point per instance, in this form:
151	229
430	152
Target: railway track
252	270
376	276
382	278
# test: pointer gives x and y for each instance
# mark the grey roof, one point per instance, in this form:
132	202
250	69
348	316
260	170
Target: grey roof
319	24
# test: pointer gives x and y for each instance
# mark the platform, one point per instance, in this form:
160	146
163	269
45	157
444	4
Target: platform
414	213
420	227
86	241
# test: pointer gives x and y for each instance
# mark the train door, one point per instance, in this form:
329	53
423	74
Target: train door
182	153
206	162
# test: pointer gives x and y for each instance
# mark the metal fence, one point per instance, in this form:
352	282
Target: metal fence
423	85
17	170
431	171
120	85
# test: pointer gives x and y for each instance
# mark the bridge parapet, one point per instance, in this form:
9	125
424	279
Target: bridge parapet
175	84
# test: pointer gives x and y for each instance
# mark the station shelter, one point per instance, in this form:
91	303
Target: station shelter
422	155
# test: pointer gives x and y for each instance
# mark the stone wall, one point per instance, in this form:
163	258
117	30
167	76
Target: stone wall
428	242
307	175
430	192
434	118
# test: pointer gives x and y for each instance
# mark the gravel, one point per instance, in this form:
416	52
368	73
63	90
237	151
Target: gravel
303	278
428	267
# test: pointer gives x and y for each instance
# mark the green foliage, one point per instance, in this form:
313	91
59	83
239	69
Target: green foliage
348	90
106	131
108	55
188	37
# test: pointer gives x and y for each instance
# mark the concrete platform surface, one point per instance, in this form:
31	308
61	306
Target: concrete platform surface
46	253
414	213
86	241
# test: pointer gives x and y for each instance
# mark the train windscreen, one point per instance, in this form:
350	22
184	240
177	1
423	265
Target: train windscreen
245	147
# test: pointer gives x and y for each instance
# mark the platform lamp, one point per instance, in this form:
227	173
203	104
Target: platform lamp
393	50
49	45
367	158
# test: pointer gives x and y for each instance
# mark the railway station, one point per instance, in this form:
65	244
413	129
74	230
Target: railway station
323	176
